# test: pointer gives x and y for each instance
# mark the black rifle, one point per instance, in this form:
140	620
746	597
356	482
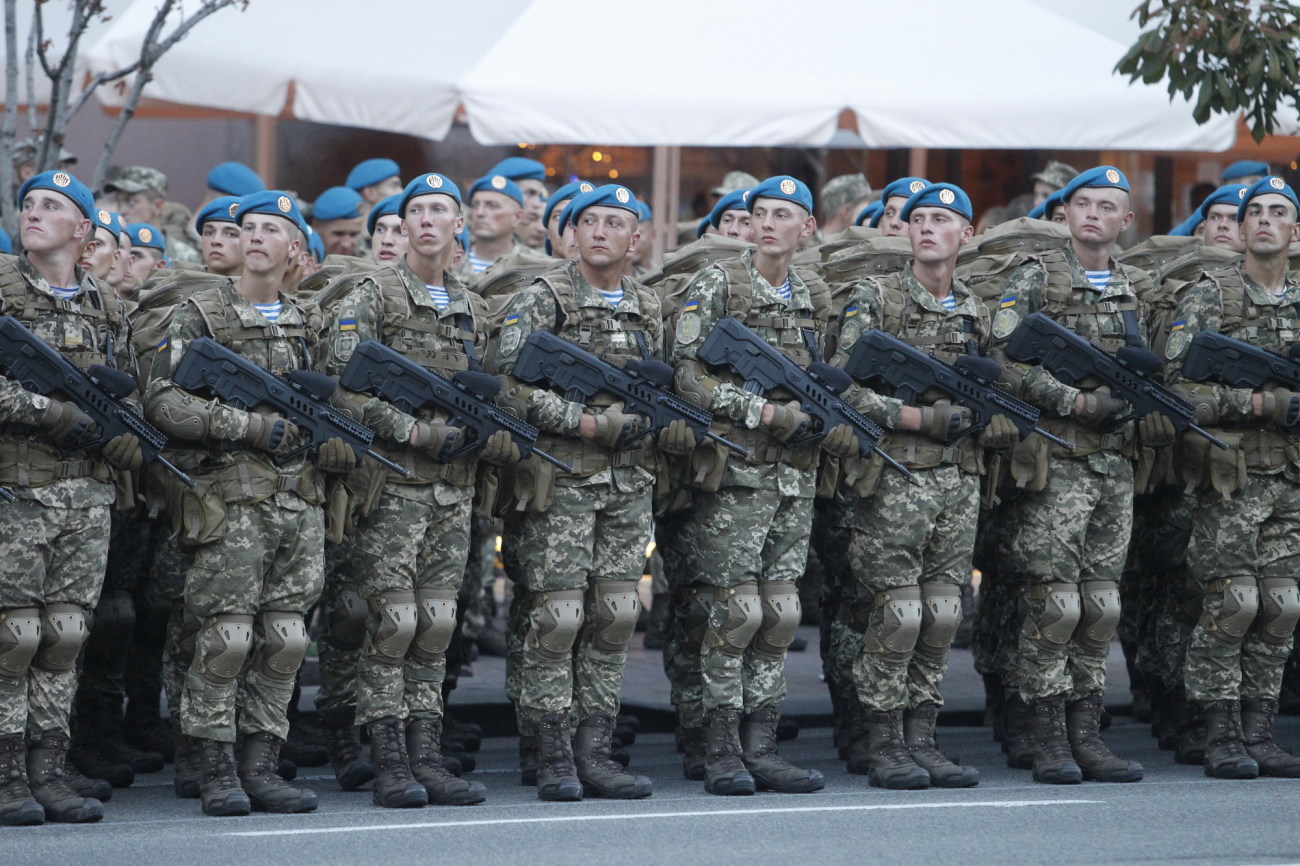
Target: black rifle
99	392
1238	364
7	495
301	398
376	369
731	344
642	385
1071	358
968	382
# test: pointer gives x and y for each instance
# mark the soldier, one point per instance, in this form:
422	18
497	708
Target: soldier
230	179
841	199
576	543
530	176
730	217
1053	178
496	206
1219	213
148	253
103	249
257	526
1243	551
912	540
1069	526
141	194
59	524
375	180
1245	172
338	216
749	531
388	240
556	231
892	198
217	226
24	159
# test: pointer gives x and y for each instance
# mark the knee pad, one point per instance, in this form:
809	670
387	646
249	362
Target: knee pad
1279	609
940	615
744	616
20	638
390	627
781	615
1062	610
224	642
283	646
347	619
895	634
692	614
554	622
63	631
1099	613
435	611
113	624
616	607
1240	606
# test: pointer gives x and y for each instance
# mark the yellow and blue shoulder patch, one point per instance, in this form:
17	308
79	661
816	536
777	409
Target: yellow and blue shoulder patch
1179	340
162	347
691	306
1178	326
850	312
512	318
347	324
1008	301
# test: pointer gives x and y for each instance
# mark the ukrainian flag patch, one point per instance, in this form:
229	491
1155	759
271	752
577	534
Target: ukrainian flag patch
850	312
162	346
347	324
512	318
691	306
1178	326
1009	301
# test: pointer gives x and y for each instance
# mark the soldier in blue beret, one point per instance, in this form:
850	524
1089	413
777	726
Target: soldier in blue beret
1218	215
730	216
232	179
148	253
338	216
496	207
554	210
530	176
1245	171
867	216
373	180
103	249
218	229
387	239
892	199
1191	226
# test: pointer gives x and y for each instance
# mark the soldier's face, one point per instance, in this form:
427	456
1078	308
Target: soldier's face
891	226
1270	225
1220	228
605	236
268	243
1042	190
554	231
1096	217
1058	214
117	275
735	224
51	221
432	222
381	190
779	226
100	254
220	247
140	261
493	215
340	236
388	243
139	207
937	234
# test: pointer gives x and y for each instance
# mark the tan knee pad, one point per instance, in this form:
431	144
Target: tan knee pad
744	616
782	613
896	632
20	638
347	619
223	644
391	626
692	611
940	615
1099	614
283	647
1279	609
435	611
554	622
63	630
1240	606
1062	610
616	606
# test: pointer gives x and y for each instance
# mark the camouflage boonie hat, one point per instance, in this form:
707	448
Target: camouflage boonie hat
138	178
845	189
25	151
1056	174
735	180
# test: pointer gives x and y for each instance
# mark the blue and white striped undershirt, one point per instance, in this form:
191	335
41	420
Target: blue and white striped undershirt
949	302
613	298
66	294
438	294
478	265
1098	279
270	311
784	290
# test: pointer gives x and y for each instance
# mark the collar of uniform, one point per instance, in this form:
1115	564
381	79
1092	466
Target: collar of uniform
33	276
1263	297
419	291
800	299
919	293
1117	287
250	317
586	295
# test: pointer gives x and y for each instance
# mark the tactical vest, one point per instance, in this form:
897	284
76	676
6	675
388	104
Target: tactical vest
984	268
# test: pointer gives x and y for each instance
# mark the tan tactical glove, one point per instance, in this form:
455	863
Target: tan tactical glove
270	433
1000	433
124	452
68	426
789	422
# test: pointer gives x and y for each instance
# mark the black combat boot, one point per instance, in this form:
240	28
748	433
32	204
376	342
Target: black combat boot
104	713
351	767
771	772
995	705
1257	733
557	777
189	763
460	736
881	755
1054	763
1225	752
600	775
266	790
84	785
49	786
694	753
145	728
528	758
918	734
18	808
724	768
220	791
395	787
1094	757
422	742
1017	743
1191	731
86	753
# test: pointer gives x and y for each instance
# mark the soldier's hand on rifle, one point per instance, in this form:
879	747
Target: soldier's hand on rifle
1000	433
124	452
1156	431
270	433
944	422
500	450
840	442
614	427
677	438
68	426
334	456
1280	406
787	421
435	438
1095	409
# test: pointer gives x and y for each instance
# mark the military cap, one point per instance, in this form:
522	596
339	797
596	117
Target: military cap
138	178
145	235
1265	186
1229	193
1244	168
519	168
1039	211
428	184
462	237
338	203
234	178
1056	174
63	183
904	187
219	210
25	151
1053	201
1101	177
870	213
845	189
609	195
735	180
497	183
564	194
122	233
703	226
1185	228
781	187
384	207
108	221
942	195
6	243
643	212
371	172
274	202
734	200
315	246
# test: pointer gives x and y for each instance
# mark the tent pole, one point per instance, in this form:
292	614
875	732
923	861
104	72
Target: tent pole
264	160
916	162
664	193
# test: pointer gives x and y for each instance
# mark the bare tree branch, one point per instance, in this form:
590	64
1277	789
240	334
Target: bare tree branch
8	128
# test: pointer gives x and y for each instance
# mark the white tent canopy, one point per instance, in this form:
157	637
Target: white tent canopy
928	73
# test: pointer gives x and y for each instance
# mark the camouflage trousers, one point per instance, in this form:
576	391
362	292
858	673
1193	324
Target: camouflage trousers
1074	531
743	535
167	585
52	556
687	620
104	661
1153	588
997	611
343	628
595	531
1256	537
841	634
271	559
417	538
910	534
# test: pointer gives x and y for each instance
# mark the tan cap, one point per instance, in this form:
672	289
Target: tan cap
735	180
842	190
1057	174
138	178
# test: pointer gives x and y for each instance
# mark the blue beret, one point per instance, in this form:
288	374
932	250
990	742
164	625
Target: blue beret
1229	193
904	187
274	202
1264	186
219	210
1101	177
704	226
384	207
1185	228
428	184
519	168
643	212
869	213
145	235
1052	202
783	187
462	237
64	184
609	195
734	200
338	203
6	243
497	183
372	171
943	195
1244	168
1039	212
108	220
234	178
316	246
564	194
